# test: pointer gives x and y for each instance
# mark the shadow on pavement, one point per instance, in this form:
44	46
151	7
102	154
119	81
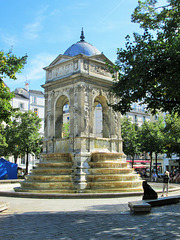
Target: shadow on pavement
161	223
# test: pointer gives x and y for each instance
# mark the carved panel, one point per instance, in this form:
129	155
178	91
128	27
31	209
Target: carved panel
85	65
98	69
75	65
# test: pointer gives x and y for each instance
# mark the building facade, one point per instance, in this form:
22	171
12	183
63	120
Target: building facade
26	99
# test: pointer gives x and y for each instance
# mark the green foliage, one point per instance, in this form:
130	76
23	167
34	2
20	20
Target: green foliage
152	138
172	133
66	130
6	109
3	143
23	136
9	66
149	66
129	131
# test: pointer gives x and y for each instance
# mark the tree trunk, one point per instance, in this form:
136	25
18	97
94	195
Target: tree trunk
156	162
132	161
150	164
15	159
27	162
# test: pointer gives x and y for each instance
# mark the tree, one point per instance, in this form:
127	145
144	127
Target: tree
23	136
172	133
66	130
9	66
11	133
3	143
149	66
129	132
152	139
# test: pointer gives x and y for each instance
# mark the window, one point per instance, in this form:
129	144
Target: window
23	160
144	118
36	111
21	105
34	99
135	118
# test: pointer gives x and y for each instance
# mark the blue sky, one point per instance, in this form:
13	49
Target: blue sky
43	29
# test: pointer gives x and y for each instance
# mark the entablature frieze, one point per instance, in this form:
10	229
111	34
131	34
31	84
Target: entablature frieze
75	66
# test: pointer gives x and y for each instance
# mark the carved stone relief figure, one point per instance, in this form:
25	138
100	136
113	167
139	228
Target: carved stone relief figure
115	123
100	70
76	65
85	65
75	121
86	110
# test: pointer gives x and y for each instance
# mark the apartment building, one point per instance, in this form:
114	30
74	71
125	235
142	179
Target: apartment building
26	99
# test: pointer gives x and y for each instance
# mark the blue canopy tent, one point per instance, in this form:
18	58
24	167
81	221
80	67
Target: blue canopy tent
8	170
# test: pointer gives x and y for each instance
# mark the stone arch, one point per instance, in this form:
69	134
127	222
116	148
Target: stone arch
105	115
60	103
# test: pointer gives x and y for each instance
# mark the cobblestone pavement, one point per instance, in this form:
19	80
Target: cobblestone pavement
81	219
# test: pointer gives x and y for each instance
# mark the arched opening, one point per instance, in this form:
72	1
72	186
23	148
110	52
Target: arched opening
101	117
98	127
62	117
65	128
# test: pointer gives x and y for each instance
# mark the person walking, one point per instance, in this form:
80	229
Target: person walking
165	183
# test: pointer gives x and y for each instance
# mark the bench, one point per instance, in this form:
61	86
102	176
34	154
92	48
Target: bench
139	206
145	205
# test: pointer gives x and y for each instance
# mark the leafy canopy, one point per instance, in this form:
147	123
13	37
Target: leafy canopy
9	66
172	133
149	67
129	131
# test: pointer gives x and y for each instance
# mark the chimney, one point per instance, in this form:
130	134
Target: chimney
27	86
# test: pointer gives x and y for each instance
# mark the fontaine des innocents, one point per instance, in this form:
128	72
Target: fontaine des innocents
83	162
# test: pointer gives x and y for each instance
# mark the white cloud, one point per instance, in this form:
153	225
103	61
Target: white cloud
9	39
110	12
32	30
34	69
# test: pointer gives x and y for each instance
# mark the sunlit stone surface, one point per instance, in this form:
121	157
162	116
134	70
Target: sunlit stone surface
87	160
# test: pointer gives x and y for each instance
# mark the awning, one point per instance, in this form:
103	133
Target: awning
141	166
142	161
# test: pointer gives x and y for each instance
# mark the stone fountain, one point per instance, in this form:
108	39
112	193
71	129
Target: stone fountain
90	159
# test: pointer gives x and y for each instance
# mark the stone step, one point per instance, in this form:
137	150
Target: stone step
49	178
112	177
114	190
29	190
108	164
98	171
51	171
55	165
66	157
99	157
47	185
115	184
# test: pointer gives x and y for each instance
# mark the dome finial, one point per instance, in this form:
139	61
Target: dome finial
82	37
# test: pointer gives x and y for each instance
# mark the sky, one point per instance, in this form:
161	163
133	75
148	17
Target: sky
43	29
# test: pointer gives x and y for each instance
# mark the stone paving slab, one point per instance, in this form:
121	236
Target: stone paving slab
163	224
86	219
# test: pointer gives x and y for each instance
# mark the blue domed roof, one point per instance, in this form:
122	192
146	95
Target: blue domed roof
82	47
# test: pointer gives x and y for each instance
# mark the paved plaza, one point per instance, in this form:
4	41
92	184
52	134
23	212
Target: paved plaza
91	219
